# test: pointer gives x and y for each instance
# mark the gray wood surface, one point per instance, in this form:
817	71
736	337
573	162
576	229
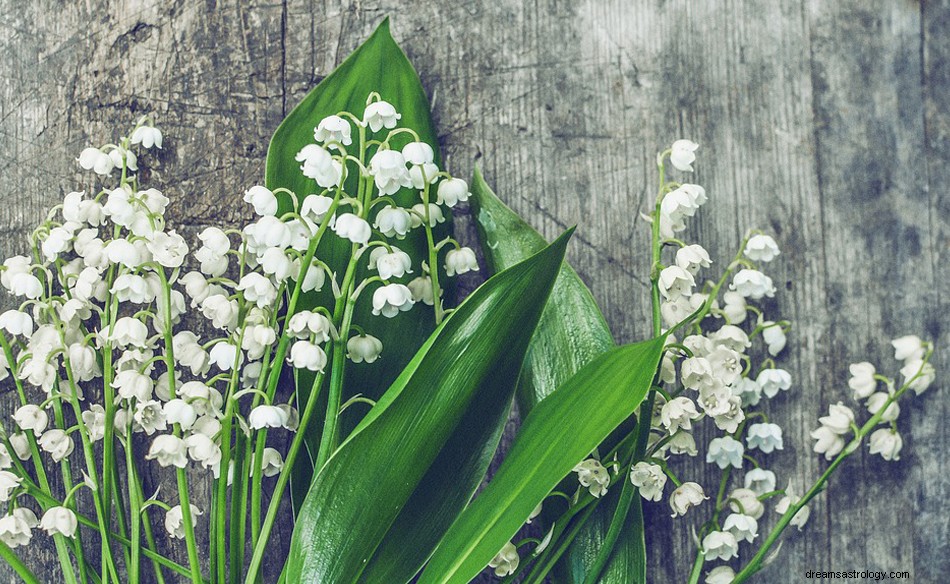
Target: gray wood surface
825	123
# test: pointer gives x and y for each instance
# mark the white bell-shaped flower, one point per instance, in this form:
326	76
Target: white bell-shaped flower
678	413
16	529
272	462
840	418
258	289
393	222
147	136
59	521
57	443
724	452
262	199
451	191
390	263
315	207
436	216
174	522
686	496
131	384
908	347
862	382
922	374
886	442
721	575
760	480
306	355
592	475
753	284
774	337
877	401
460	261
683	154
320	165
380	114
333	129
765	436
16	323
168	248
391	299
675	281
720	545
692	257
8	483
95	421
31	417
168	450
743	527
305	324
747	502
505	562
388	168
353	227
96	160
827	442
649	479
773	380
149	417
761	248
266	416
178	411
421	288
363	348
203	450
27	285
221	311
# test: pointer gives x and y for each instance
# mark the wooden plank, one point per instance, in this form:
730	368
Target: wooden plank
826	124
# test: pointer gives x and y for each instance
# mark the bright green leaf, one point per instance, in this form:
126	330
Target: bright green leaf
558	433
377	65
572	330
415	460
571	333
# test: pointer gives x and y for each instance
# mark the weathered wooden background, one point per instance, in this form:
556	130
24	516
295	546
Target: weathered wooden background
825	123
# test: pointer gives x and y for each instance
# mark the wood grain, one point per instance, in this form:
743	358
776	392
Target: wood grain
826	124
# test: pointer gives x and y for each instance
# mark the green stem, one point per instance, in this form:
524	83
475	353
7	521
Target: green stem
62	549
755	564
135	509
282	481
17	564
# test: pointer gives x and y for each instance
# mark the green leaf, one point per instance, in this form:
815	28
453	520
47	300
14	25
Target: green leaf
572	330
571	333
411	465
561	431
377	65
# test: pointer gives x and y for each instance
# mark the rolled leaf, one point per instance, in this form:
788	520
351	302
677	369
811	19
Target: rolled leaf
409	467
571	333
377	65
558	433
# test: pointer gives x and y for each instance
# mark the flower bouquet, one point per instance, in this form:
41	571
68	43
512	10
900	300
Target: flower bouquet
313	368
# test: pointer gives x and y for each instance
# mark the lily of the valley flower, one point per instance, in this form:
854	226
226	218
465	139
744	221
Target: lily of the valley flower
505	561
363	348
686	496
683	154
59	521
592	475
720	545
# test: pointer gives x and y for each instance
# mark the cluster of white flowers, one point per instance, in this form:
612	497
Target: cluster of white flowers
880	395
105	349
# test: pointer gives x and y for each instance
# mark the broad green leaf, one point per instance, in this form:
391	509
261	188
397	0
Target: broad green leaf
377	65
412	464
571	333
572	330
558	433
